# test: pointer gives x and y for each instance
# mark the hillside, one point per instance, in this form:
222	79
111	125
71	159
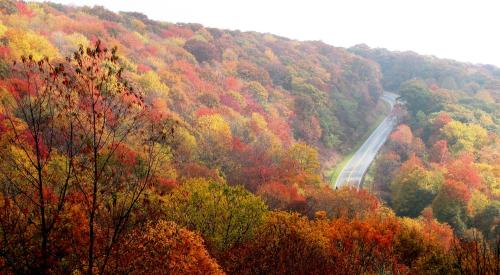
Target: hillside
399	67
129	145
443	157
297	85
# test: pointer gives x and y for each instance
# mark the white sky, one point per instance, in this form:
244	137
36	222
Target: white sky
462	30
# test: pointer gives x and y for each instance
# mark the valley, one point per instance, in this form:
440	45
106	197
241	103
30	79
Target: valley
130	145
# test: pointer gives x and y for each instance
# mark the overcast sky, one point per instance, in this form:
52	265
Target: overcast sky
461	30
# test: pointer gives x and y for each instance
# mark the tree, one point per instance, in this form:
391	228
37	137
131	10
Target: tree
463	169
69	124
202	51
216	139
166	247
102	90
251	72
308	129
418	245
152	85
67	44
300	165
280	196
34	175
450	205
365	245
286	243
476	255
466	137
344	202
414	188
184	145
304	157
24	43
487	222
418	98
441	120
258	91
280	76
385	168
439	152
224	215
401	141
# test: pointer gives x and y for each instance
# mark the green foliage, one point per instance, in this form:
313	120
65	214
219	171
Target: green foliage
486	220
259	91
418	98
414	188
248	108
184	64
447	208
4	69
305	156
225	215
466	137
399	67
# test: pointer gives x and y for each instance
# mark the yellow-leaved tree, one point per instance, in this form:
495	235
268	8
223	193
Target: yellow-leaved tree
216	139
29	43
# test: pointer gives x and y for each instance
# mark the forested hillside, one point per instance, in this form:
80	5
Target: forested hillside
443	159
399	67
133	146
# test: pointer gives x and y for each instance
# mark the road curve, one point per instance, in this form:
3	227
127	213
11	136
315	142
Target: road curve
355	169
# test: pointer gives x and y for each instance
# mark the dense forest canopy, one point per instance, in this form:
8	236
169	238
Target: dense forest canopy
129	145
443	157
399	67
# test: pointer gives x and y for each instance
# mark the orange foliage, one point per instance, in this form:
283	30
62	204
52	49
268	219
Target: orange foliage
344	202
462	169
439	233
287	83
377	243
441	120
456	190
279	196
195	170
439	152
177	31
286	244
365	246
402	135
232	83
168	248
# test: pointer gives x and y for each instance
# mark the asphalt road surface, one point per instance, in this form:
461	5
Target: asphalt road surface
355	169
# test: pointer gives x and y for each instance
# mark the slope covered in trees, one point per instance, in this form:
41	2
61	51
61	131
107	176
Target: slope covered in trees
134	146
254	109
443	157
443	160
399	67
314	92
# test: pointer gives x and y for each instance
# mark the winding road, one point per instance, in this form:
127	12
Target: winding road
355	169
